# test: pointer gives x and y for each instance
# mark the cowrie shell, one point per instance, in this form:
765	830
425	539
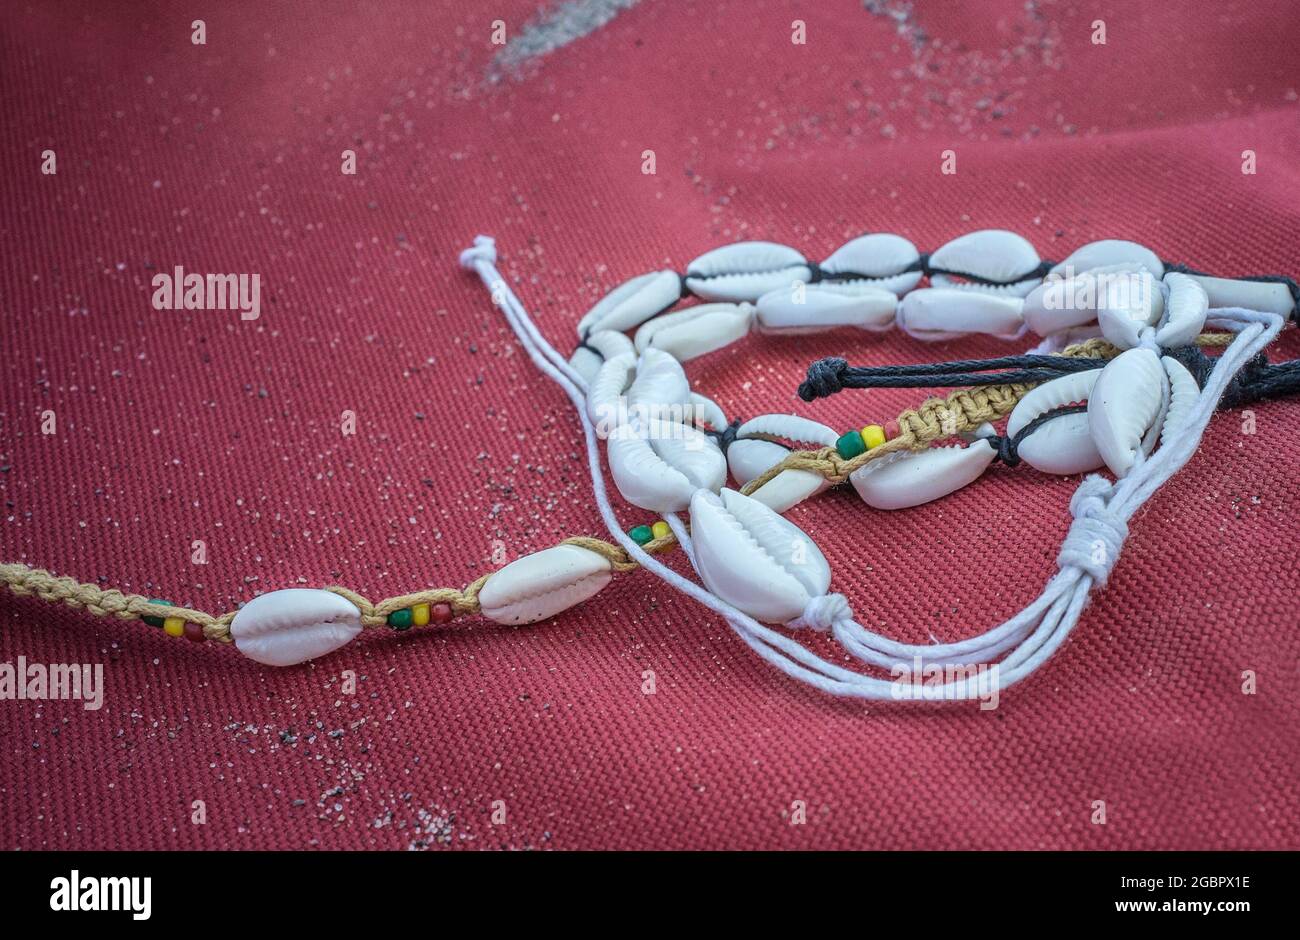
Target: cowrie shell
662	472
596	350
788	428
660	382
543	584
747	459
609	385
1267	296
812	308
879	261
1062	303
934	314
1126	305
910	478
694	331
757	440
1185	311
1183	394
1063	444
753	559
1108	252
995	254
284	628
1126	406
707	411
745	271
632	303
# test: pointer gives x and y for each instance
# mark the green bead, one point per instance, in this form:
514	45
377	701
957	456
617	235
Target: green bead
400	619
641	534
851	444
156	621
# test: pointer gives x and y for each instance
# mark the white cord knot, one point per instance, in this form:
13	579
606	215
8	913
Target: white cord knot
824	612
485	249
1097	534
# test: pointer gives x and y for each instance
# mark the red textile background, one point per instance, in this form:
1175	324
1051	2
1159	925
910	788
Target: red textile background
177	426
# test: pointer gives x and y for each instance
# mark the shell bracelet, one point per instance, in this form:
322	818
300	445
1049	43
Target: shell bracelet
670	449
758	568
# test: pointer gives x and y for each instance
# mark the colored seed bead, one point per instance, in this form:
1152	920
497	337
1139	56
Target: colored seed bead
891	429
850	445
660	529
400	619
441	613
156	621
420	614
873	435
641	534
174	626
194	633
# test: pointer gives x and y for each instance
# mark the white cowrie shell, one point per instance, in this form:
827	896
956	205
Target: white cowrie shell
1267	296
1106	253
748	458
598	349
910	478
1062	303
788	428
543	584
632	303
789	487
609	385
694	331
1064	444
934	314
1185	312
1018	289
879	260
707	410
586	362
1126	305
812	308
745	271
1183	393
1125	404
609	343
660	383
662	473
750	557
995	254
284	628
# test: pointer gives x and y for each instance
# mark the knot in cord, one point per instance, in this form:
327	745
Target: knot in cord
824	612
485	249
726	436
825	378
1096	535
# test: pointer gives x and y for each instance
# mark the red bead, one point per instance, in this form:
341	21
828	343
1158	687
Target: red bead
194	632
440	613
891	429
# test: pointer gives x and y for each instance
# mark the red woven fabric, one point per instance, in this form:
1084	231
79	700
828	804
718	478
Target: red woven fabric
177	426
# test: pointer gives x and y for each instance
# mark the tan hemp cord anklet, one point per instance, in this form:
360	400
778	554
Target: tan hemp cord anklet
933	420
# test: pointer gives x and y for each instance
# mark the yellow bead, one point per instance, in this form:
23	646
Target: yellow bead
174	626
421	614
873	435
660	529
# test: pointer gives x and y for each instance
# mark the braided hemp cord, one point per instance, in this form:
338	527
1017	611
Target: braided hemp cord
935	419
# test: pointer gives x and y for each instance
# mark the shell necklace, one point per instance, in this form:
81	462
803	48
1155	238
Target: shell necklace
669	449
